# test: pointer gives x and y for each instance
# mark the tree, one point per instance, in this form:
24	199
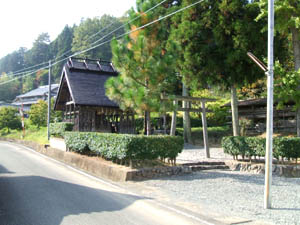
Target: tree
215	37
39	53
60	48
9	118
8	91
84	36
288	24
146	67
38	113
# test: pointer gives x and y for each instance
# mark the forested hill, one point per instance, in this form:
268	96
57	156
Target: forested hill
70	40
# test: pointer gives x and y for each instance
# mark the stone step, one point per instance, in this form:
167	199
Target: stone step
205	163
208	167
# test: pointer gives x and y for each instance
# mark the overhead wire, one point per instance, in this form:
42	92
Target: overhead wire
103	37
118	37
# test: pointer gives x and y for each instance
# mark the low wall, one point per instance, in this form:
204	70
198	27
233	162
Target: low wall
259	168
102	168
58	143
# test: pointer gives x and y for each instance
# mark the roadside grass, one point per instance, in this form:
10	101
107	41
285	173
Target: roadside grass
35	134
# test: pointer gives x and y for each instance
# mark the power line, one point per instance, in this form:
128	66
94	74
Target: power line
70	50
118	37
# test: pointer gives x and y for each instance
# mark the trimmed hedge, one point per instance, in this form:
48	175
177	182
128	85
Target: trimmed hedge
59	129
125	146
284	147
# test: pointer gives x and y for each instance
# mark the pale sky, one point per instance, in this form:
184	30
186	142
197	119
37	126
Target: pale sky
21	21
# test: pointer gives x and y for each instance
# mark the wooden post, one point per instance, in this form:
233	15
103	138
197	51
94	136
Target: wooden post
204	126
173	124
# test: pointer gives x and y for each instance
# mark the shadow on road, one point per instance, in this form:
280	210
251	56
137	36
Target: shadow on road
39	200
4	170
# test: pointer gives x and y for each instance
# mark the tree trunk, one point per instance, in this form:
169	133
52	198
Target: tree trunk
145	122
148	123
235	114
187	133
296	50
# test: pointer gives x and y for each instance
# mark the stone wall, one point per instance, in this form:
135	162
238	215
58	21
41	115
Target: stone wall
259	168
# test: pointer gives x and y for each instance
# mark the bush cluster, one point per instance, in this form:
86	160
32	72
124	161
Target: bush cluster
59	129
125	146
283	147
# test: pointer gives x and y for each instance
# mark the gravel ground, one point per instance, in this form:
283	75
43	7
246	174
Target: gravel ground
233	193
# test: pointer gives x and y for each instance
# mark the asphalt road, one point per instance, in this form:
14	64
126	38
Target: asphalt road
35	190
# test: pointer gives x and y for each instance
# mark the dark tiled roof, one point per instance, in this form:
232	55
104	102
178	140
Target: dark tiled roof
40	91
86	82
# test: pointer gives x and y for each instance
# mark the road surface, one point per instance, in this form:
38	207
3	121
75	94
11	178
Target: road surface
35	190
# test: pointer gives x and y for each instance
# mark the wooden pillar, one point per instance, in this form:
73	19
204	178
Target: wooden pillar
173	123
204	125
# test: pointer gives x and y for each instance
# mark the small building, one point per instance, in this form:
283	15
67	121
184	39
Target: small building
255	110
33	96
81	96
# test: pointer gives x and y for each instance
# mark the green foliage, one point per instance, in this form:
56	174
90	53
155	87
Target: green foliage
284	147
9	118
219	115
146	67
84	36
8	91
124	146
59	129
218	31
287	81
38	113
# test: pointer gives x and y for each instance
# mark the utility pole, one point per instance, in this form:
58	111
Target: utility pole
49	100
269	139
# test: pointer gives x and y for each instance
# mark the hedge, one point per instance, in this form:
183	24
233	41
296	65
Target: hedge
284	147
59	129
125	146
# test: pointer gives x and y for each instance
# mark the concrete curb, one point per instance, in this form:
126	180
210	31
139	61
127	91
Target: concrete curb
91	165
101	168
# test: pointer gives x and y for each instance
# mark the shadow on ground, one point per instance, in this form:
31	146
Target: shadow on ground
31	200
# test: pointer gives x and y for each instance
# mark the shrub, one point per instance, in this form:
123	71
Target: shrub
125	146
59	129
38	113
9	119
77	141
252	146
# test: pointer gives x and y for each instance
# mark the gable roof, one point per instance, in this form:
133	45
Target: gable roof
40	91
85	82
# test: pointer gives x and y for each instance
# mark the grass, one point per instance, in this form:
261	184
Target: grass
35	134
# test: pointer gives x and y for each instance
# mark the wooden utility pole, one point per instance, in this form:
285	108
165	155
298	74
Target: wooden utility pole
269	139
49	100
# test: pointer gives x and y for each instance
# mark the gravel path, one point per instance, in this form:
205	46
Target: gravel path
233	193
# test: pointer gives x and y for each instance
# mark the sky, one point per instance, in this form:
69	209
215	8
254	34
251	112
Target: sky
21	21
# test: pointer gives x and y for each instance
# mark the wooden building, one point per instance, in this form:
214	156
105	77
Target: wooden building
81	96
255	110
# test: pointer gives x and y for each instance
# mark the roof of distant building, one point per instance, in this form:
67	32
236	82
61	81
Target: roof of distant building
40	91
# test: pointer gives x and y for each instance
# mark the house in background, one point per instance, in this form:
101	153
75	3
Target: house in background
255	111
82	98
33	96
